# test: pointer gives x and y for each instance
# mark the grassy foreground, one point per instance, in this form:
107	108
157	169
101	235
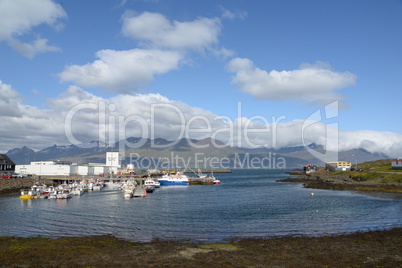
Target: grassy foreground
370	249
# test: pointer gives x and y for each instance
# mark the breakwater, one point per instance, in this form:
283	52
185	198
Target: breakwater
12	185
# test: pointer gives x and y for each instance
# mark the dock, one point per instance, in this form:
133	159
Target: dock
140	191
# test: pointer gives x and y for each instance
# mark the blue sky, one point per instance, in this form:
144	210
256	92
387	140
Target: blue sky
282	59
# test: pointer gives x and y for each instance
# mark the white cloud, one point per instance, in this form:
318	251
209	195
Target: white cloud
155	30
231	15
165	45
123	71
153	115
18	17
311	83
30	50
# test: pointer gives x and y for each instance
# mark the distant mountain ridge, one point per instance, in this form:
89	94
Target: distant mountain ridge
193	152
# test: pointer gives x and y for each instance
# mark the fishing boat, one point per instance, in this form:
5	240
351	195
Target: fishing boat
173	179
64	194
27	194
113	184
84	186
52	192
36	191
214	180
149	185
128	191
77	191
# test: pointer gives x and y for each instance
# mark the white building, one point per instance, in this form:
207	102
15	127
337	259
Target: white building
81	170
45	168
397	164
339	166
64	168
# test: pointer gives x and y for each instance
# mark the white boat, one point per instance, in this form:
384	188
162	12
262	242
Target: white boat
149	185
157	184
113	184
64	194
27	194
52	192
53	195
98	185
36	191
84	186
176	179
90	185
77	191
128	191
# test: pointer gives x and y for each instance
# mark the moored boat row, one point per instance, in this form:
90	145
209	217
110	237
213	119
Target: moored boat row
130	188
63	191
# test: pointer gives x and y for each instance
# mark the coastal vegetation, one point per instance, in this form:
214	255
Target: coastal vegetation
370	249
372	176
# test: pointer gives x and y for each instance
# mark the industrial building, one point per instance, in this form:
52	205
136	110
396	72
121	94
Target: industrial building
65	168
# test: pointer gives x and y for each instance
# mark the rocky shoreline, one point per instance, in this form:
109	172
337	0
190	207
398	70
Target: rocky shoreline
14	185
330	181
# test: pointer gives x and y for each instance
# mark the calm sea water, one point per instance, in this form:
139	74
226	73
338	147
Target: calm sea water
248	203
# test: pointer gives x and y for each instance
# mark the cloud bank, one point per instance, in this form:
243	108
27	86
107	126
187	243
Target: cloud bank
153	115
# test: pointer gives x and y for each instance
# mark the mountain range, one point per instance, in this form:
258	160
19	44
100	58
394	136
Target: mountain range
206	153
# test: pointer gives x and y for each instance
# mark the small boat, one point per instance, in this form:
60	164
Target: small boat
27	194
149	185
157	184
36	192
64	194
77	191
128	191
113	184
84	186
173	179
98	185
52	192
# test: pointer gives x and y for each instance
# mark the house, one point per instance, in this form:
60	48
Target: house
309	168
339	166
397	163
7	166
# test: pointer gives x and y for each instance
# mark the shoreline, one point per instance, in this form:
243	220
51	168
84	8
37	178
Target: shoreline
327	181
380	248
